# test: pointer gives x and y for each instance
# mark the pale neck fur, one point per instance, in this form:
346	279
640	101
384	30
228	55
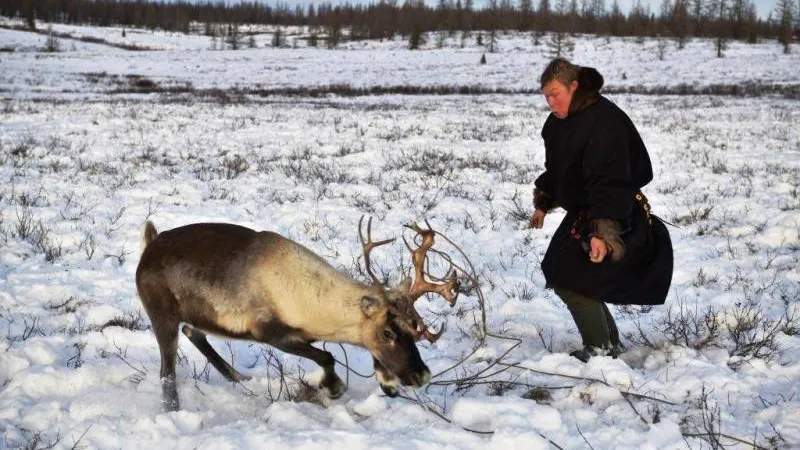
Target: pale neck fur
309	294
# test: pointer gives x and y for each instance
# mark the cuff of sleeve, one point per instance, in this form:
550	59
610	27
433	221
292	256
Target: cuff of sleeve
541	200
610	231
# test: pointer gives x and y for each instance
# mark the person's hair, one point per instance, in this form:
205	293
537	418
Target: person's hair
560	70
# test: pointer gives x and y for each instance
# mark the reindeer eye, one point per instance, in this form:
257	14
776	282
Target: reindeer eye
389	335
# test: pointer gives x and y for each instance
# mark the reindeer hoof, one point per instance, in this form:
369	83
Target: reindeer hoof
389	389
334	389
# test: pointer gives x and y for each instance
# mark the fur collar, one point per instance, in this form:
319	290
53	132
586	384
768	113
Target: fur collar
589	83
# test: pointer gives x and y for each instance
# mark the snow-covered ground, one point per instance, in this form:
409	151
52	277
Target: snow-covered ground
188	60
79	364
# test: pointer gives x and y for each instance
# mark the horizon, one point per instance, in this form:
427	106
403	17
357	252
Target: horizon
763	7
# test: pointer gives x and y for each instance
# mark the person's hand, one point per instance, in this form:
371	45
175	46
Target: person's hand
537	219
597	250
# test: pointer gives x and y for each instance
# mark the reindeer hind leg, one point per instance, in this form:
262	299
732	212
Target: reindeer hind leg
167	338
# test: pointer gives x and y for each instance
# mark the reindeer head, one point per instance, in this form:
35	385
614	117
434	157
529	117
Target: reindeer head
398	325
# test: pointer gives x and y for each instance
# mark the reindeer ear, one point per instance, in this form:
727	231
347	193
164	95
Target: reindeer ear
370	305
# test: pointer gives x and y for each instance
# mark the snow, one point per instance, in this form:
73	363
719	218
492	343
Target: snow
188	60
88	165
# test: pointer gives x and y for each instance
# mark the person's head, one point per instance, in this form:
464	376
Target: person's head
559	81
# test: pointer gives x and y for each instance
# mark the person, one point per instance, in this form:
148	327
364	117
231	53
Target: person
609	248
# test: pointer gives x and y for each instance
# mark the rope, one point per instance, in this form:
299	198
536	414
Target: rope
346	365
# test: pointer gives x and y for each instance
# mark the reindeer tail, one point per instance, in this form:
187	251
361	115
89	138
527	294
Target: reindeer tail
148	234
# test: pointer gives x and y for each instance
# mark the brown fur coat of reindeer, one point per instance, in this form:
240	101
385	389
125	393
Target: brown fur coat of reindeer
238	283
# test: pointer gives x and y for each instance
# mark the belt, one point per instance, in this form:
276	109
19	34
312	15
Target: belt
580	226
641	200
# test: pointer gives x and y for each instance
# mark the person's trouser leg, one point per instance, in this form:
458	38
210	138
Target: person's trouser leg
613	332
593	319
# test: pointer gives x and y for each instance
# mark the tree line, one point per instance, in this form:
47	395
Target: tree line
680	19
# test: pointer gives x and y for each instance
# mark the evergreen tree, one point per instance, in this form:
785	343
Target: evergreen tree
525	15
543	22
785	14
234	38
661	48
797	21
441	38
720	12
52	44
560	45
666	14
495	19
616	20
416	39
601	15
638	21
737	17
442	16
751	24
29	10
680	22
573	18
592	12
537	36
698	13
334	35
468	18
278	38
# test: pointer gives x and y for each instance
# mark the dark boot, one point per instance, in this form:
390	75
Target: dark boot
595	324
583	354
586	353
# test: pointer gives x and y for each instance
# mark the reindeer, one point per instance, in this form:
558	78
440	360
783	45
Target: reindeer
235	282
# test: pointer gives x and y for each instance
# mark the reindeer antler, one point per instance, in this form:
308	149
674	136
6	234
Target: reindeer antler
404	308
368	245
420	286
418	257
415	325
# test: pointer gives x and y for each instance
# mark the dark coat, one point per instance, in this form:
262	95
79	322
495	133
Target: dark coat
595	163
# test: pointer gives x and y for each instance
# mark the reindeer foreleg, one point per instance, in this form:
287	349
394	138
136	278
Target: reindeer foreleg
331	383
198	338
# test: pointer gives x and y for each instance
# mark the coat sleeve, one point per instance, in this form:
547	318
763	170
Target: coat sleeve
607	170
544	193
